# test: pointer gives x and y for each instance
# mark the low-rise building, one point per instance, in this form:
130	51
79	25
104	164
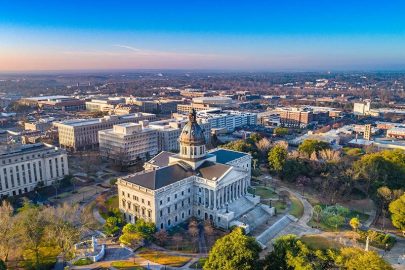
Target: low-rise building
397	132
127	143
24	167
79	134
103	105
227	119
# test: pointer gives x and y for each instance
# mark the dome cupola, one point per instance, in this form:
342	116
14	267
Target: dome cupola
192	140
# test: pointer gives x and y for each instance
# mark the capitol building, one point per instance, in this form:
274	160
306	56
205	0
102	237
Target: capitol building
209	185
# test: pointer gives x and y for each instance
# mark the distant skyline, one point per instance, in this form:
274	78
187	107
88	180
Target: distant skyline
289	35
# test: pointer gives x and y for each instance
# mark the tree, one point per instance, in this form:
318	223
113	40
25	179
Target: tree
32	228
65	227
317	211
234	251
161	236
263	146
308	147
354	223
177	239
335	220
8	237
280	131
293	168
277	158
355	258
397	209
2	265
288	253
111	226
130	236
145	229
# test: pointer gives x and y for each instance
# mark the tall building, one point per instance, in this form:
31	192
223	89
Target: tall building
80	134
24	167
361	108
127	143
367	132
207	185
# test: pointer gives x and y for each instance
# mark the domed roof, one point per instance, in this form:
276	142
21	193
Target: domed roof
192	133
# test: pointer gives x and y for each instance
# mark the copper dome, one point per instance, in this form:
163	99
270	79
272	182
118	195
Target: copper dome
192	133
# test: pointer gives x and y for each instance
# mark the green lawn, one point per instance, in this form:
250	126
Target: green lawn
110	205
127	265
280	206
297	209
263	192
319	242
83	261
163	258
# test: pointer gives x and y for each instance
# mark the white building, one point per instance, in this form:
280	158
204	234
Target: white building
24	167
128	143
361	108
79	134
207	185
227	119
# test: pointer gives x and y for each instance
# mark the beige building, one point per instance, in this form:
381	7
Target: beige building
127	143
169	130
194	183
24	167
80	134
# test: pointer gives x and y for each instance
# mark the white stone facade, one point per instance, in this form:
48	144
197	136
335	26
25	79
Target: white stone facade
25	167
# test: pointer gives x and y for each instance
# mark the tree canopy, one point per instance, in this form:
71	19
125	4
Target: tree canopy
234	251
397	209
277	158
310	146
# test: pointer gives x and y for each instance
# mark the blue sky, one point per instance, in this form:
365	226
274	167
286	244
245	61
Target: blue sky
250	35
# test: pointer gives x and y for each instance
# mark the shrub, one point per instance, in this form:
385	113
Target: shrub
378	239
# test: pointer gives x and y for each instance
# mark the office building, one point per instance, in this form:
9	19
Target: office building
128	143
24	167
80	134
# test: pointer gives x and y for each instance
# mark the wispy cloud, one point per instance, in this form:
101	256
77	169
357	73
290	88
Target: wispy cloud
127	47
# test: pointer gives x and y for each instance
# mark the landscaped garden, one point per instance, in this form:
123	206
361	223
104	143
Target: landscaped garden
199	264
127	265
334	217
107	206
163	258
263	192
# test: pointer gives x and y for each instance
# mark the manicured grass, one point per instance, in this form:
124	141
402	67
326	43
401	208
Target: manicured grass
280	206
297	209
110	205
83	261
319	242
263	192
163	258
199	264
127	265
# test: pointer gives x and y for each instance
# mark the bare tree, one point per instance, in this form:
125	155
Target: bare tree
8	237
161	236
177	238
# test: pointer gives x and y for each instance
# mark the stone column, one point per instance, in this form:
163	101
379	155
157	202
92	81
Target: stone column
204	196
209	199
215	200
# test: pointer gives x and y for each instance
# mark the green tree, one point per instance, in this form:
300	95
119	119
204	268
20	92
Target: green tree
280	131
293	168
145	229
277	158
308	147
130	236
111	226
234	251
355	258
335	221
2	265
397	209
354	223
288	253
317	211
